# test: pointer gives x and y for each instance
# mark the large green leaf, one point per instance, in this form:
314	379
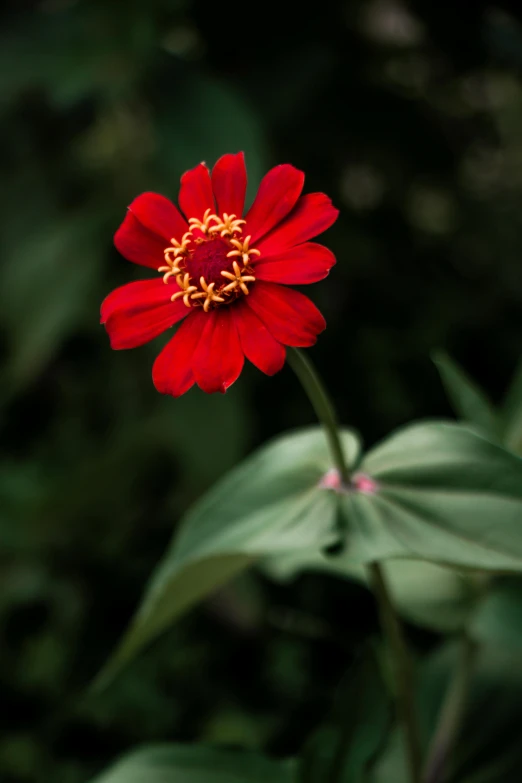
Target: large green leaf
271	503
426	594
468	400
196	764
442	493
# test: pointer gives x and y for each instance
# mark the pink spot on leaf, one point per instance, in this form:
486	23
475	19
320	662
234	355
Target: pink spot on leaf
363	483
331	480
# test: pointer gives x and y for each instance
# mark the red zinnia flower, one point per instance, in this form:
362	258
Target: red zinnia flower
222	273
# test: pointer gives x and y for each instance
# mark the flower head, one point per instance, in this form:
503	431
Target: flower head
223	274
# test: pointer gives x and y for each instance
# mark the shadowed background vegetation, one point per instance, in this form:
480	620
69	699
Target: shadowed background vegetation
410	118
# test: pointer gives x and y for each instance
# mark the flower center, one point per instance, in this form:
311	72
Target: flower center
211	264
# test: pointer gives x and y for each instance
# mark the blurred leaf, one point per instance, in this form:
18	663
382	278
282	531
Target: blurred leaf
233	128
468	400
443	494
503	35
21	755
235	727
487	748
270	503
109	477
345	748
498	618
22	489
391	768
226	416
73	54
196	764
48	276
426	594
512	414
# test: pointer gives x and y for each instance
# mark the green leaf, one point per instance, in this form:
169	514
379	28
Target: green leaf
196	764
270	503
442	494
432	596
512	414
57	303
468	400
498	618
235	127
487	748
346	747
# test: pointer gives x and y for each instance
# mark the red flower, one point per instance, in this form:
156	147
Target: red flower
226	273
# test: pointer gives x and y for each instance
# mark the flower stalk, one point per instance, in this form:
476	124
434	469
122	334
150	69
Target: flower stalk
322	406
404	691
404	694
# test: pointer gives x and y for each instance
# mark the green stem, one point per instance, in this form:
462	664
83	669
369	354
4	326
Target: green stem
390	624
450	717
404	690
322	406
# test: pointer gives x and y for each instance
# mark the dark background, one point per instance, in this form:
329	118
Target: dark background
410	117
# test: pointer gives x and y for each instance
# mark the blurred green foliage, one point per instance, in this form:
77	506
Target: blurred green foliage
410	117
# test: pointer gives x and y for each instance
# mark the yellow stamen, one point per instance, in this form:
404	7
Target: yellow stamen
178	257
238	280
228	226
186	289
174	255
204	225
208	294
242	250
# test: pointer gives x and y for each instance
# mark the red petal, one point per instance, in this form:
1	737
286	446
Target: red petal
257	343
289	316
128	329
312	215
229	181
218	359
159	215
172	373
278	192
195	195
138	296
302	264
138	244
